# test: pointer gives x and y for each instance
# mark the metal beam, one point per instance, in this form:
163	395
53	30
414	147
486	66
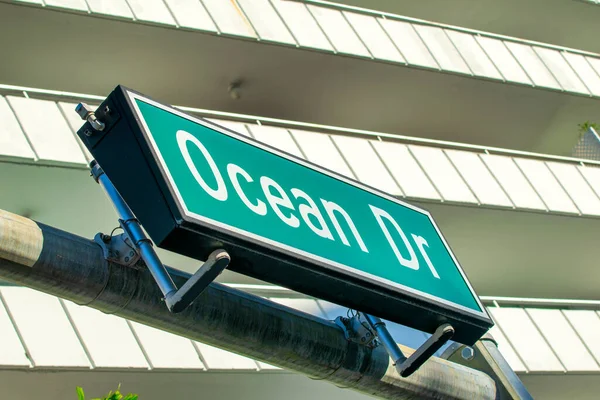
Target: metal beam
71	267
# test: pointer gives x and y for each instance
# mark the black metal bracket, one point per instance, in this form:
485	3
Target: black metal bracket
364	329
117	249
133	244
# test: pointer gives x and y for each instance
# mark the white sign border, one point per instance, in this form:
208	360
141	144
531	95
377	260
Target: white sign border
257	239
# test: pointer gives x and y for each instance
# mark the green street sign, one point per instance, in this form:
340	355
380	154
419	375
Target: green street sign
196	186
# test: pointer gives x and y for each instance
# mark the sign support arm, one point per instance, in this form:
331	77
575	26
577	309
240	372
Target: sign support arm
176	300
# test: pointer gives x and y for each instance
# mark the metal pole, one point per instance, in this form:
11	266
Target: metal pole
71	267
485	356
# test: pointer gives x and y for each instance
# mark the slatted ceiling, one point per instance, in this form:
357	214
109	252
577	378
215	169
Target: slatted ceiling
108	338
443	175
592	176
409	43
302	24
406	171
338	30
563	339
75	122
578	189
38	117
166	350
503	59
513	181
220	359
307	305
12	140
118	8
374	37
533	65
595	63
45	328
365	163
587	325
363	35
507	350
526	339
238	127
585	71
72	4
264	366
546	185
191	14
12	352
266	21
438	43
479	178
561	70
229	18
320	150
151	11
479	63
279	138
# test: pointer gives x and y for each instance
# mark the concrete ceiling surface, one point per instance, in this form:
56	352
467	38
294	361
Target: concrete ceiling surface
569	23
504	252
73	52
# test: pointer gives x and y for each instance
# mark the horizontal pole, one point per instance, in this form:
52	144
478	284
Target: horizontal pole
71	267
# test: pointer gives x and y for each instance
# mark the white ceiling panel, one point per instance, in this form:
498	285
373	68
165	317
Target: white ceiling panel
45	328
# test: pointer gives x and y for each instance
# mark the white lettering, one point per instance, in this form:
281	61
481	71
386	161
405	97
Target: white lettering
234	171
183	137
331	208
311	209
421	244
275	202
413	262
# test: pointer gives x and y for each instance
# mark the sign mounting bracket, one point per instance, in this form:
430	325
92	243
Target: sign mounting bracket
176	299
370	331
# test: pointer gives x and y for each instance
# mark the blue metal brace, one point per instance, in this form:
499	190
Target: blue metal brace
177	300
364	329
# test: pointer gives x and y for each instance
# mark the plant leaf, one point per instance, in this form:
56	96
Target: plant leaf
80	393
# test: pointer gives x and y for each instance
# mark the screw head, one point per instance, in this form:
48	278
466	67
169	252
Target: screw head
106	110
131	253
126	259
467	353
87	132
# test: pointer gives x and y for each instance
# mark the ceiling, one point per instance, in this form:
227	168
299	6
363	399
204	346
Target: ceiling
568	23
73	52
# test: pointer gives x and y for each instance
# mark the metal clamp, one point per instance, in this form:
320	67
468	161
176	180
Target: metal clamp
117	249
177	300
364	328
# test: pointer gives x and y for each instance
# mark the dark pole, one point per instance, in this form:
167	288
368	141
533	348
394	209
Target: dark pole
71	267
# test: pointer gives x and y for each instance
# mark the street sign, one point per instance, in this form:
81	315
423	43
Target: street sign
196	186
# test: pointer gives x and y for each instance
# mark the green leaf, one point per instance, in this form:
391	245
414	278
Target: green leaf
80	393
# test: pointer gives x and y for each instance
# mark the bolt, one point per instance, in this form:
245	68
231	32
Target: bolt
131	254
87	114
467	353
126	259
362	339
87	132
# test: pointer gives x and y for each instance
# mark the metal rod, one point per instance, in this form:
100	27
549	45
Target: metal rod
71	267
386	339
134	230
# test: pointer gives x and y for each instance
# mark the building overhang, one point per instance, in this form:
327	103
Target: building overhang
180	66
